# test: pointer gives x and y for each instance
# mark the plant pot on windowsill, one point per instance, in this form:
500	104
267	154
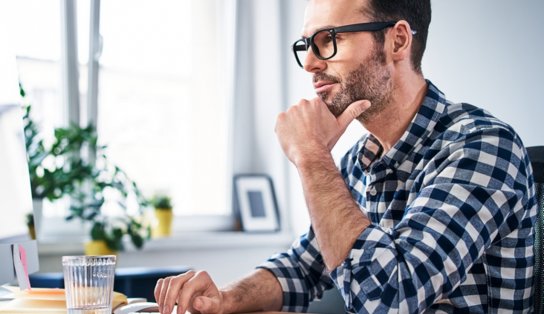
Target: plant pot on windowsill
103	241
31	226
164	217
163	214
98	247
107	235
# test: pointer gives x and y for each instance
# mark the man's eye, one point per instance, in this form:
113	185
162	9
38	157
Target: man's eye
324	38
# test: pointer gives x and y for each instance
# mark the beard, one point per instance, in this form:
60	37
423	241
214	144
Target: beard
371	80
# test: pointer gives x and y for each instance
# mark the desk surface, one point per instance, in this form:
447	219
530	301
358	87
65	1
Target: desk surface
3	302
32	309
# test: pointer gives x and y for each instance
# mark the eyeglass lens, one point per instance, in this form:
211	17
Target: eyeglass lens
324	42
324	46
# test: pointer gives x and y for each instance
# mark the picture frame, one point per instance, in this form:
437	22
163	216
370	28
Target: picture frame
255	202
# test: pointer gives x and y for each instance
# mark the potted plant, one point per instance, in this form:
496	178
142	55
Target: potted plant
30	225
162	204
59	170
102	199
50	179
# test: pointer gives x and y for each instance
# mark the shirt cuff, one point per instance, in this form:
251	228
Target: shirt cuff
366	270
295	298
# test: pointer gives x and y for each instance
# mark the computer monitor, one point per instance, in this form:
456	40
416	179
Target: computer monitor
18	252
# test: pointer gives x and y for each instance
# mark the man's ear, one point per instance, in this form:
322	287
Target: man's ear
400	40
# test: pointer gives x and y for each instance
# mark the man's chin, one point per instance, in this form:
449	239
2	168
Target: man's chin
329	100
323	95
326	98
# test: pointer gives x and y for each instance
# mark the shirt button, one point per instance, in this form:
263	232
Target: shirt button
373	192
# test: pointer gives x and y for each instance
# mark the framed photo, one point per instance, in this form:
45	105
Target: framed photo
256	203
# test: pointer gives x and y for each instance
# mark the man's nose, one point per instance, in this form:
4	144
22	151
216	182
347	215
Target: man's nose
312	63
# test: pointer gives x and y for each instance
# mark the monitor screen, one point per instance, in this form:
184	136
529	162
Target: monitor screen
15	200
18	253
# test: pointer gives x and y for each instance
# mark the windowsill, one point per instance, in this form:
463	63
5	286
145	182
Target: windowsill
200	240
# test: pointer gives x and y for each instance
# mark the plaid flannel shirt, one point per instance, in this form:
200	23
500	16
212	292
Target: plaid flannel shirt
452	207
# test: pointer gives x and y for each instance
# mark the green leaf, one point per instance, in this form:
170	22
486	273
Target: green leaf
98	232
137	240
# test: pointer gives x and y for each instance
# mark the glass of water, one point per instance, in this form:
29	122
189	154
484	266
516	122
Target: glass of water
88	283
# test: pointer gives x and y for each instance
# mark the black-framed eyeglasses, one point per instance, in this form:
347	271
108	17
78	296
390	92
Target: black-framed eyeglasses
323	42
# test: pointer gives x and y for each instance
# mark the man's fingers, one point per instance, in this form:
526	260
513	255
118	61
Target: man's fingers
195	287
157	291
171	287
352	112
163	291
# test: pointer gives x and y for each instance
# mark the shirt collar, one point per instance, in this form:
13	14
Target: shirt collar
420	127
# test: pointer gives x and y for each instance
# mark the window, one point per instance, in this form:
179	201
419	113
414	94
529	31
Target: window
162	108
163	99
37	46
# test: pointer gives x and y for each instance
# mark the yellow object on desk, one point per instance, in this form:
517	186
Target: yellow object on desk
45	300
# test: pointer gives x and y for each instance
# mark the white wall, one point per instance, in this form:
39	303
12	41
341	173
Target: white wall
489	53
486	52
259	96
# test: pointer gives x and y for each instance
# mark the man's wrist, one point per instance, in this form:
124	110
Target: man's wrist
315	158
260	291
227	302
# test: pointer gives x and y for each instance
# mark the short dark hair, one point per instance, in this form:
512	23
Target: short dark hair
416	12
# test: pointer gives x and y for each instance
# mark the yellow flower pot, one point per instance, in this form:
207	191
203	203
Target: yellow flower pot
32	232
98	247
163	228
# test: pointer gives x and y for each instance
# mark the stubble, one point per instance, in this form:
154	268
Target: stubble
371	80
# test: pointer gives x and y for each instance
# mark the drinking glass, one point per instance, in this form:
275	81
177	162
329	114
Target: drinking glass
88	283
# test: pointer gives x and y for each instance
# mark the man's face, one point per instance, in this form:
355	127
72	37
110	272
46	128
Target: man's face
358	70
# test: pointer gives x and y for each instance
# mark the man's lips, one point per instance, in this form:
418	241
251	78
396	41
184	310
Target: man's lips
323	86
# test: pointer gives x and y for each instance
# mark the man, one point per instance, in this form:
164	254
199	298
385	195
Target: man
433	210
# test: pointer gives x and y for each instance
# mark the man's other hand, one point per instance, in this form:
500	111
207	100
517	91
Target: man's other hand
192	291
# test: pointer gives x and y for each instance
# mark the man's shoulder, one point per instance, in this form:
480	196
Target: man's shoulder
459	118
464	119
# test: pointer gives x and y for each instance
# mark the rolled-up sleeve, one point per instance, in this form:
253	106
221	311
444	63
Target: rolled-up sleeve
301	273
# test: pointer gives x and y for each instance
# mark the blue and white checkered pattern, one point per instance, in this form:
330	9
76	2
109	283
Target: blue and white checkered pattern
452	207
